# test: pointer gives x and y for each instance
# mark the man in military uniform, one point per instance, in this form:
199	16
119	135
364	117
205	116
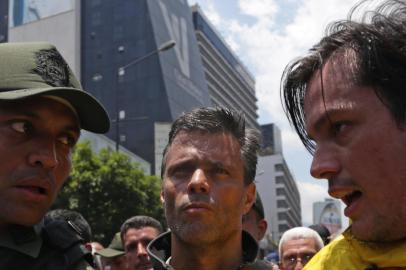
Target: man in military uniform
114	255
42	109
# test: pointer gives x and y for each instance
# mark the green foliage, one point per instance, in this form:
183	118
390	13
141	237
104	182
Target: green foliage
107	188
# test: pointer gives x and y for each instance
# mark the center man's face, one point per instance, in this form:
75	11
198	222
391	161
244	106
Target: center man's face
361	151
36	140
203	187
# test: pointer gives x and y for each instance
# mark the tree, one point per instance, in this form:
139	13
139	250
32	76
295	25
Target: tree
107	188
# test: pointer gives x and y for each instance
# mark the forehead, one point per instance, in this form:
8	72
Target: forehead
39	106
141	232
334	90
206	144
334	79
299	245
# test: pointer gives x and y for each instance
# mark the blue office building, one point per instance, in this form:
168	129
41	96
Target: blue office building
229	82
3	20
156	89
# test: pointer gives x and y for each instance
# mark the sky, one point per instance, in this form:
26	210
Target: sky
266	35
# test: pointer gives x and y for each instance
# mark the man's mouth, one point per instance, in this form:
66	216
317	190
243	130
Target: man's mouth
352	200
351	197
34	189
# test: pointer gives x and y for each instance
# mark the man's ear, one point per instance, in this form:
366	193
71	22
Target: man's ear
249	197
262	226
162	196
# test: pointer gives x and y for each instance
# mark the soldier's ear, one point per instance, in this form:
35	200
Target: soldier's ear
162	196
249	197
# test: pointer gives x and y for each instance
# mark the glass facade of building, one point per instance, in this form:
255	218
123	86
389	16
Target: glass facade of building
230	84
156	89
3	21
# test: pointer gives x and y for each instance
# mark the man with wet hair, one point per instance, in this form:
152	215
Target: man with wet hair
347	101
42	110
208	169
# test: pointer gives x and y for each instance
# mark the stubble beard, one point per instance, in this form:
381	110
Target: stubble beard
195	233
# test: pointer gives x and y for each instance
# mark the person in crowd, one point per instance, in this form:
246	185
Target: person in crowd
255	224
113	257
297	246
42	110
94	247
323	232
347	101
208	169
254	221
136	233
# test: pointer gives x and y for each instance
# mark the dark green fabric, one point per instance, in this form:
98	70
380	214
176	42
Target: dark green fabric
61	249
36	68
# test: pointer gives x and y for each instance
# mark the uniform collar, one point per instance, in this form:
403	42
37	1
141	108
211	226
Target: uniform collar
26	240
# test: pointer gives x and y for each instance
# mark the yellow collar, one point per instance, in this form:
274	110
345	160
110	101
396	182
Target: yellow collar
382	255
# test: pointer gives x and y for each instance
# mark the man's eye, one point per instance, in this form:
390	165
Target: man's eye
220	170
339	127
21	126
67	140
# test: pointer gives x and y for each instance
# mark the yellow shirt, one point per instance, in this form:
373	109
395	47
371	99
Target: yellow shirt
348	253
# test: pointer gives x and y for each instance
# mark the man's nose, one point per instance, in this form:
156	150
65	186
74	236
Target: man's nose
43	153
325	162
198	182
141	250
299	265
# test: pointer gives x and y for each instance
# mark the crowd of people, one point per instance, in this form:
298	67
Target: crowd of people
345	98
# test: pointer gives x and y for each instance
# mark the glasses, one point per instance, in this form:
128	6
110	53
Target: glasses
292	260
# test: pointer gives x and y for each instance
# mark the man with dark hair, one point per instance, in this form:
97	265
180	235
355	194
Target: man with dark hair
347	101
322	231
42	109
254	221
136	233
208	170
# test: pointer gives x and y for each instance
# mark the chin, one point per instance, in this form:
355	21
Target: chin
373	233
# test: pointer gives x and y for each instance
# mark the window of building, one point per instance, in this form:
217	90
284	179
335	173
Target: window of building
280	192
282	204
279	167
280	180
283	227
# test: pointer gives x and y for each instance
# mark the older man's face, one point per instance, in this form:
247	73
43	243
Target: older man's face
297	252
36	140
361	151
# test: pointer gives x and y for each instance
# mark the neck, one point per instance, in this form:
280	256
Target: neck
213	256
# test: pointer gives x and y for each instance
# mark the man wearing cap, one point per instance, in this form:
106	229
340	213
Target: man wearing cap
42	109
113	257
